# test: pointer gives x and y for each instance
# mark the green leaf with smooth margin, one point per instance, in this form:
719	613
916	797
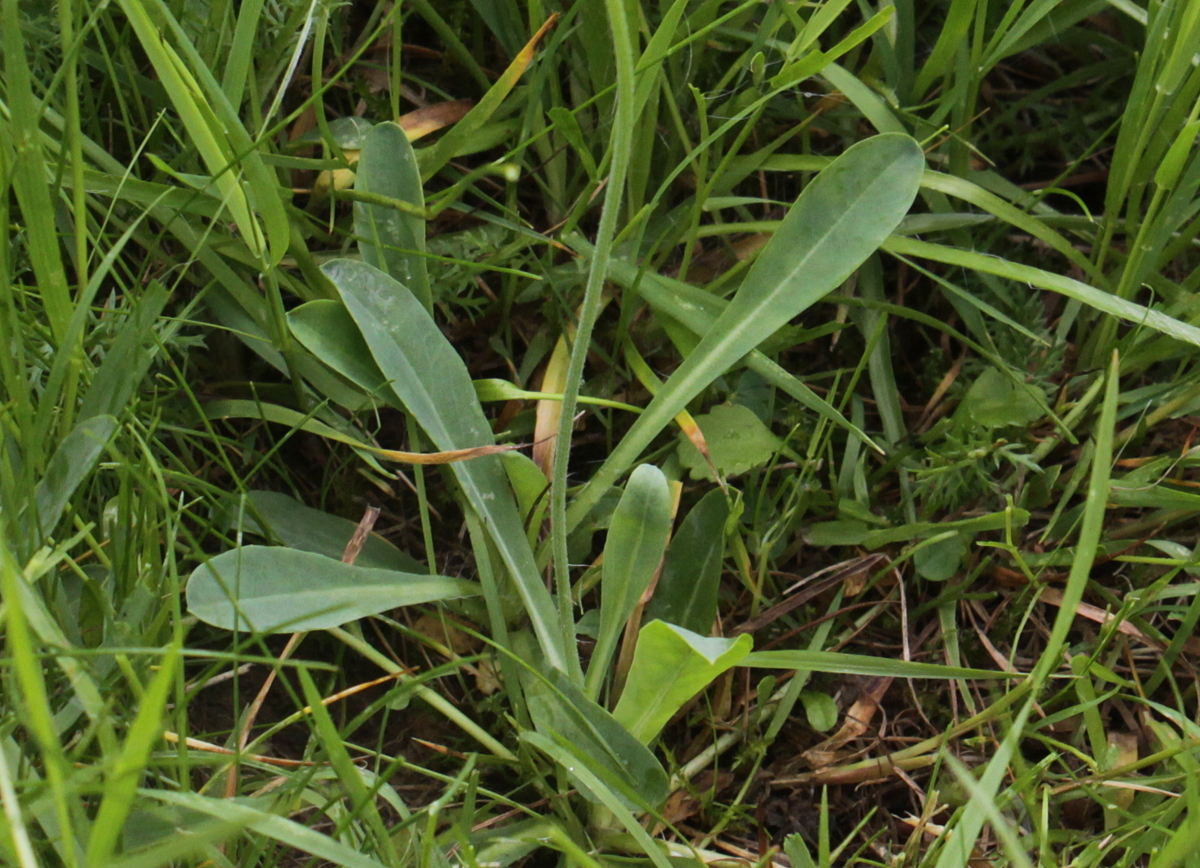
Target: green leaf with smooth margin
858	664
820	709
637	538
597	782
325	328
432	383
738	441
670	666
301	527
388	238
842	217
697	309
686	594
561	710
271	589
71	463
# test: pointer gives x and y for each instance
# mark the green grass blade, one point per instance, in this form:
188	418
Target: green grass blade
857	664
1090	531
241	51
186	95
950	39
620	151
120	786
285	831
458	139
37	712
29	176
362	798
1102	301
15	829
958	850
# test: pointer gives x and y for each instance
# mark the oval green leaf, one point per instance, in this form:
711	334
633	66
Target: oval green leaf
637	538
267	589
390	239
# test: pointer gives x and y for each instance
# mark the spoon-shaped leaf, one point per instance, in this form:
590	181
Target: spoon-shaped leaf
388	238
637	538
432	383
270	589
839	220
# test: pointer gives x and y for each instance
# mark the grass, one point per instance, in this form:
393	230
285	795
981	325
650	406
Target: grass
855	346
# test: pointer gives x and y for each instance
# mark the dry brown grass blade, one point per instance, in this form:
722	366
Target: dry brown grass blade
860	772
448	457
1054	597
416	124
813	586
691	430
856	724
549	413
431	118
209	747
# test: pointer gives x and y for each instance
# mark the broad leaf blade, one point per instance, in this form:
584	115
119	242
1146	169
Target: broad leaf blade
686	594
842	217
432	383
670	666
598	782
561	711
697	309
390	239
301	527
71	463
637	537
267	589
327	331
